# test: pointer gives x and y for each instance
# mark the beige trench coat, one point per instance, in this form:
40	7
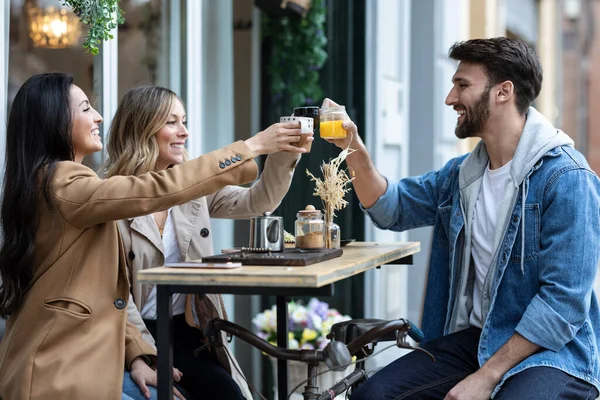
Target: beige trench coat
141	236
70	338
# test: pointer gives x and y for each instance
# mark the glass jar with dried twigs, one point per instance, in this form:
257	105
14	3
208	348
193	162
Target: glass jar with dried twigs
332	189
310	229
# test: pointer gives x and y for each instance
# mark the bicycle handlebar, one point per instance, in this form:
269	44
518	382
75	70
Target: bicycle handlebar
415	333
336	354
402	325
215	325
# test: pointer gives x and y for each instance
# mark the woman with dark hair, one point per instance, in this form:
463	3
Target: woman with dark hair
62	264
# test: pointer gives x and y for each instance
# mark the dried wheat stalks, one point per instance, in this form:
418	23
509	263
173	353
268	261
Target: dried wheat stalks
334	185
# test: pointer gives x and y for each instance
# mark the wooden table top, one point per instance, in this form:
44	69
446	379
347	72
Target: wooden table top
358	257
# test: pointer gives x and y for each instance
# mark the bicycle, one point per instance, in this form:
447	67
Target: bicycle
347	339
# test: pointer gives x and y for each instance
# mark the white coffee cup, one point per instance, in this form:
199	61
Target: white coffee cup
306	123
306	128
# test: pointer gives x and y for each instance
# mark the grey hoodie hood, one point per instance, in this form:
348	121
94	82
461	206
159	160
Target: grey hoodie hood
538	137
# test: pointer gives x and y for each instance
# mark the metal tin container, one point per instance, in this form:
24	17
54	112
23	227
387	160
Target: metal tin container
266	232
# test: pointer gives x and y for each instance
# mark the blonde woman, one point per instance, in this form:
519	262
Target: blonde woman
148	134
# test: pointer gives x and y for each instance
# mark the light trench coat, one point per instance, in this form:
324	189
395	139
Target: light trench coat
140	236
70	338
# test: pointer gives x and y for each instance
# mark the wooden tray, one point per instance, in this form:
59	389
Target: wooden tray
294	257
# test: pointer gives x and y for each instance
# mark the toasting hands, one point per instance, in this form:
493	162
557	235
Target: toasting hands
352	136
277	137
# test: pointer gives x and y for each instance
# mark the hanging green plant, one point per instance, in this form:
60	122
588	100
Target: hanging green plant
298	52
102	16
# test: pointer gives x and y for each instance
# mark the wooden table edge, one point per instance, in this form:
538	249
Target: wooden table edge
232	278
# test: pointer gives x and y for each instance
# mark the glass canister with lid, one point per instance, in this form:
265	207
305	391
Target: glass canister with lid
310	229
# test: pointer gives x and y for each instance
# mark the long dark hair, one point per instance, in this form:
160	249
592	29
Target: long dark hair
38	136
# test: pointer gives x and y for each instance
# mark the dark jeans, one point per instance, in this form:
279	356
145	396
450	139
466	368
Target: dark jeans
203	376
416	376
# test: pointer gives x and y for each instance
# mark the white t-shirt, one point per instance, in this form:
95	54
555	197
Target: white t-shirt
172	255
485	221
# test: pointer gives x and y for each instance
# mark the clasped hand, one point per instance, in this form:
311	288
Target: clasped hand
143	375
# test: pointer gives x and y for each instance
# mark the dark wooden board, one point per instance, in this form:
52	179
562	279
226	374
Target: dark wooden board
292	257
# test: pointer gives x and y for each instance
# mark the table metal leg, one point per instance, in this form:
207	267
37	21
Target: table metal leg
164	329
282	341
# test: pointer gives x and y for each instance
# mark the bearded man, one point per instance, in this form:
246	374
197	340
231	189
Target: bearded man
509	310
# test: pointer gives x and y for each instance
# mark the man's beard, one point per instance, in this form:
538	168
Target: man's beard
474	118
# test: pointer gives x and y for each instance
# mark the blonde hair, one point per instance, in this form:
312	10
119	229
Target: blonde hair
132	147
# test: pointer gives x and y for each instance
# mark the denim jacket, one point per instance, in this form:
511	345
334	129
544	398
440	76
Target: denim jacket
540	283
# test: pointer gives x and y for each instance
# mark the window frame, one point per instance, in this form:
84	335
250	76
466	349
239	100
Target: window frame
194	73
106	85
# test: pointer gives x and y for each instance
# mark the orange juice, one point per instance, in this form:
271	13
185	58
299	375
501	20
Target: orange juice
332	130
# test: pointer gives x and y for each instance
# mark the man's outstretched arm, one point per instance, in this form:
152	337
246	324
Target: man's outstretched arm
368	183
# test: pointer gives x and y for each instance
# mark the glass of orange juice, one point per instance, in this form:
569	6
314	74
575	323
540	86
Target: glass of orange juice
331	119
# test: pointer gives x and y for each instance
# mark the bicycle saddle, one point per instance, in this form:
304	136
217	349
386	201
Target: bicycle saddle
347	331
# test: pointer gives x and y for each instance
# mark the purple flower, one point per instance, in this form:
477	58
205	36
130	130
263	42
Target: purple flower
318	307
